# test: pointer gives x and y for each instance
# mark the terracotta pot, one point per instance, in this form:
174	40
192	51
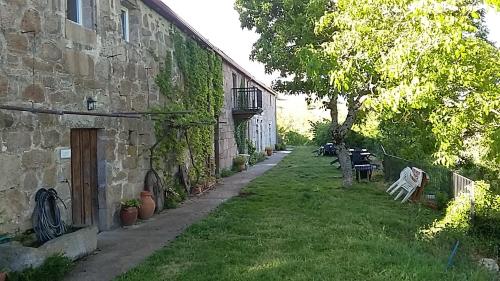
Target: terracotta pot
148	205
269	152
241	167
128	216
3	276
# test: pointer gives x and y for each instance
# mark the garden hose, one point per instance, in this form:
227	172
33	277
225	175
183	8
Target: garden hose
47	221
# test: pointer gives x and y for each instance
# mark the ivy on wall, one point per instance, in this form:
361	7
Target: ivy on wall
191	80
240	135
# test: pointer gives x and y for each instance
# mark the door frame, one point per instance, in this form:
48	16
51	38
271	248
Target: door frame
84	191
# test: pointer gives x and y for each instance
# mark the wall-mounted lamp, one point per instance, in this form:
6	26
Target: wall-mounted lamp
91	104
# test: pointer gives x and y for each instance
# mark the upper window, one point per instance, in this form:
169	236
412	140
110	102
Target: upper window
81	12
125	24
74	11
235	81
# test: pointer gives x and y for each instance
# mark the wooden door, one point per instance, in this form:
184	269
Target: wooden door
84	176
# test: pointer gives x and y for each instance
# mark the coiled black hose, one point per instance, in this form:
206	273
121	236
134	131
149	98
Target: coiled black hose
47	221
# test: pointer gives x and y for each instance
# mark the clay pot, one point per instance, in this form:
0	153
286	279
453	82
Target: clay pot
148	205
3	276
269	152
128	216
241	167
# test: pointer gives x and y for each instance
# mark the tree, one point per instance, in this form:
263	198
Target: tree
387	54
289	44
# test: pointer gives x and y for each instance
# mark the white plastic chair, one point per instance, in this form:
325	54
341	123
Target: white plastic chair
412	181
397	185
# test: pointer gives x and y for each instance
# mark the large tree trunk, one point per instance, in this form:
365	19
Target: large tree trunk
339	132
345	164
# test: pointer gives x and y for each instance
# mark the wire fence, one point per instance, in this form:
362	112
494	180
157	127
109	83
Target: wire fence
441	179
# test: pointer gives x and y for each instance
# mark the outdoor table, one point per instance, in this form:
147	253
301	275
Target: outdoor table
368	168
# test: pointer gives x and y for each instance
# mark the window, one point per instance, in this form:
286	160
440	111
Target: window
74	11
235	81
82	12
124	22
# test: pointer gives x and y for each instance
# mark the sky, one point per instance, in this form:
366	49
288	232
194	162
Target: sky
219	23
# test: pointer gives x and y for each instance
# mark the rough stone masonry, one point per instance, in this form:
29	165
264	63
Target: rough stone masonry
48	61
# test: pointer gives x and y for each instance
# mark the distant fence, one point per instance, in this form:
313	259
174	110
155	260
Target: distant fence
441	179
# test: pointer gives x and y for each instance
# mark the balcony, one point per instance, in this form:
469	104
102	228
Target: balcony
247	102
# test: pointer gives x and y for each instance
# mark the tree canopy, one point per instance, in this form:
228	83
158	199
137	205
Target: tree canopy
424	62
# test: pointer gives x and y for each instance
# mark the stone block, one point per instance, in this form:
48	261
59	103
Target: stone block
145	21
489	264
17	141
80	34
125	87
51	52
9	165
39	65
34	93
129	163
51	139
102	70
75	245
17	42
49	178
53	24
37	159
30	182
130	72
78	63
109	24
31	21
6	120
4	85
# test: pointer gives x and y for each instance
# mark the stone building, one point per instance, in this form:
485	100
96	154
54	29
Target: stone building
71	74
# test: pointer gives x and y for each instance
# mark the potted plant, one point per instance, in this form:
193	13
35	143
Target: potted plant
240	162
269	151
129	211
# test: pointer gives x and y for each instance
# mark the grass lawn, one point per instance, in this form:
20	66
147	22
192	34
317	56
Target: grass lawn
297	223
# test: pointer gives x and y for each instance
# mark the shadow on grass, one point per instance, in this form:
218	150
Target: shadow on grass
297	223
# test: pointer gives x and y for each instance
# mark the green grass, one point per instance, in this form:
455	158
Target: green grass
297	223
53	269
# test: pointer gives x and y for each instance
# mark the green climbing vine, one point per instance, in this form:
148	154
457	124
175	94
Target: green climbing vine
190	80
240	135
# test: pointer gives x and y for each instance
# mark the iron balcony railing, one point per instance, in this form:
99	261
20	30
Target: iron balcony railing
247	99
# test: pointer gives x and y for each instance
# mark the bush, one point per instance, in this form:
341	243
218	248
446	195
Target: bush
251	147
294	138
239	160
486	215
257	157
321	132
226	173
487	211
53	269
176	195
280	147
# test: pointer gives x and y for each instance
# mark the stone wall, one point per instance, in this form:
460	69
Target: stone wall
72	63
264	121
48	61
262	128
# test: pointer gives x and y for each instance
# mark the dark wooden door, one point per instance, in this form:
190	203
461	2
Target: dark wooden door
84	176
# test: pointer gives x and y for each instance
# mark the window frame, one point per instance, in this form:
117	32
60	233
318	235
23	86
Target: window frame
79	12
125	22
